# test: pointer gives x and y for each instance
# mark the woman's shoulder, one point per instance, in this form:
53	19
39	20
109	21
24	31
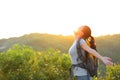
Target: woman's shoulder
82	41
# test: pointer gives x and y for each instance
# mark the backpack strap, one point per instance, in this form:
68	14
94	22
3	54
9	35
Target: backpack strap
71	72
80	55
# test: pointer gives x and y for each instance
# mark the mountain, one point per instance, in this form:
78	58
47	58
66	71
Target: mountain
39	42
108	45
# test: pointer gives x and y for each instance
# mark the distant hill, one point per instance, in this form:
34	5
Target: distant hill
39	41
108	45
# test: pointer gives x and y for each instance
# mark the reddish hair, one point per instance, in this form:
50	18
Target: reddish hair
86	30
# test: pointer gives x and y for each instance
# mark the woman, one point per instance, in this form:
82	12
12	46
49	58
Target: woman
82	34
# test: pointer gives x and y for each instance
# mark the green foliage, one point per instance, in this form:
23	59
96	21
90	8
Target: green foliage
23	63
113	73
17	63
55	65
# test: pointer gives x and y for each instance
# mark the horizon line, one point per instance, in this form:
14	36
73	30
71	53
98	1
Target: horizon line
17	36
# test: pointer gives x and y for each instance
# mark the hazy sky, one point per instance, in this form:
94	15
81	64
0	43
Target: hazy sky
18	17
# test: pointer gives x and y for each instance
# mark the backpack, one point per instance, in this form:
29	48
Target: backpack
89	62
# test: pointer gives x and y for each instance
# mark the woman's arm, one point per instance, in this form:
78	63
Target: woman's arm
105	60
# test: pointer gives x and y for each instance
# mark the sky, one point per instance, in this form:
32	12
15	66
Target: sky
19	17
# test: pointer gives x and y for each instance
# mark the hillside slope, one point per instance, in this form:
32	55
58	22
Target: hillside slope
108	45
39	41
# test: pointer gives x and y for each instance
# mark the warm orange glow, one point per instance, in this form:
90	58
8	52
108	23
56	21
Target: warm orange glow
50	17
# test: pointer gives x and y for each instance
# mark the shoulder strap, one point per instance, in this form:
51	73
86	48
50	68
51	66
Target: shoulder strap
80	55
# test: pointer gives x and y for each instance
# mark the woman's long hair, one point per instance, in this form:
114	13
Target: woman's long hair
92	43
86	30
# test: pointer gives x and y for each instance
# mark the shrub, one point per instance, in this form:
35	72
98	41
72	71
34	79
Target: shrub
23	63
113	72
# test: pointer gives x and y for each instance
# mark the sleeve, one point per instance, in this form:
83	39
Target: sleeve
82	41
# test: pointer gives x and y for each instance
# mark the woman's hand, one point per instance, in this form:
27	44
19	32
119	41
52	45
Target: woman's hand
107	61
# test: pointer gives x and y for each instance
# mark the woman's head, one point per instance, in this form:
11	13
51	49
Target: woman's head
83	32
